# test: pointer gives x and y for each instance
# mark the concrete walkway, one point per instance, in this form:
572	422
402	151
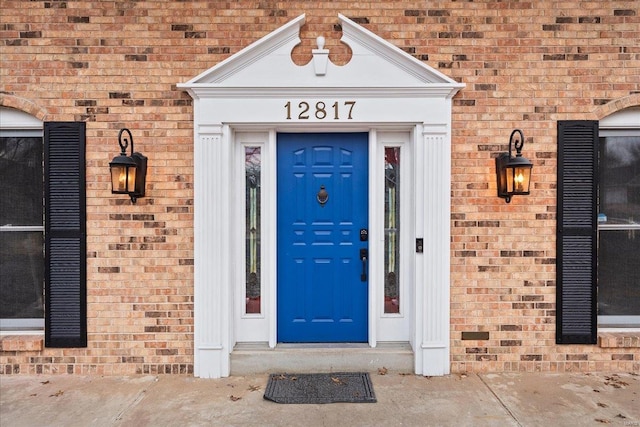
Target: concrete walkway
527	399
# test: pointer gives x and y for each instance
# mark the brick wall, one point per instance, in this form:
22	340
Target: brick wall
526	65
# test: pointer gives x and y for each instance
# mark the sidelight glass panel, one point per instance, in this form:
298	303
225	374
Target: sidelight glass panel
391	229
252	227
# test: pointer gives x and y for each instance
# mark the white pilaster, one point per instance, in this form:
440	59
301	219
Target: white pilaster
433	189
211	256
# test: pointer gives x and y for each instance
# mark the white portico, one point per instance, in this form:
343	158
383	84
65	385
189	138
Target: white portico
254	96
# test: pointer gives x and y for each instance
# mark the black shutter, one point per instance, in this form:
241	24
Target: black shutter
65	235
576	303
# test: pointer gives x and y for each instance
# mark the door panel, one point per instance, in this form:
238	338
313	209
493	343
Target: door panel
321	295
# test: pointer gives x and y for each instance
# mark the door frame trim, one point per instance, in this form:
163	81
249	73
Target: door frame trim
216	274
263	326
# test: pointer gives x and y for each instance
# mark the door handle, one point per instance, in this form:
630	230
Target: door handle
364	253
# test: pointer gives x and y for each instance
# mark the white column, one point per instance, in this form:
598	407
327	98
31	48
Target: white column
212	302
433	199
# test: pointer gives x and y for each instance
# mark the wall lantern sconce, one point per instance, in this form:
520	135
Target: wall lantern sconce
128	173
513	174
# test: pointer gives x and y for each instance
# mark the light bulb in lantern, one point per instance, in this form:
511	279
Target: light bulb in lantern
122	181
519	179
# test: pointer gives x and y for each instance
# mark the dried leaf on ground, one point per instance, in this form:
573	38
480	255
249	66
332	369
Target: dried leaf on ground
603	421
57	393
234	398
254	388
382	371
615	381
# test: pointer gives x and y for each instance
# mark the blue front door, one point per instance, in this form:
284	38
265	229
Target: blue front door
322	212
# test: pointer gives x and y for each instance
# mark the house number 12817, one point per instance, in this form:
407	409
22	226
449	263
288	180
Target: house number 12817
320	110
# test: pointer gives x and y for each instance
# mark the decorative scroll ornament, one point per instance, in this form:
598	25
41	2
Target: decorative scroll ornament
322	196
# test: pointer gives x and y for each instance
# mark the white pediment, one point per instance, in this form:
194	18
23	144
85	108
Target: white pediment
376	65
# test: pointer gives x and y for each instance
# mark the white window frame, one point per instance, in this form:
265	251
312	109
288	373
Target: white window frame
395	326
18	123
253	327
623	123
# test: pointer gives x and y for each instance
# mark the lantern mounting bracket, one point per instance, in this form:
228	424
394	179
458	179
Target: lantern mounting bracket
125	144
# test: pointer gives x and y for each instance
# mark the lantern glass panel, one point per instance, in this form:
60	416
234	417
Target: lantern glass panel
518	179
131	179
510	172
123	178
523	179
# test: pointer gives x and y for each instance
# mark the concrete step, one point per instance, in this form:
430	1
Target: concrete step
258	358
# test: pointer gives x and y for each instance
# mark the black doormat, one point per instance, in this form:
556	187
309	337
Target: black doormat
351	387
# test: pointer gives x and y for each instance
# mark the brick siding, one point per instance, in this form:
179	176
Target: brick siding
526	65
